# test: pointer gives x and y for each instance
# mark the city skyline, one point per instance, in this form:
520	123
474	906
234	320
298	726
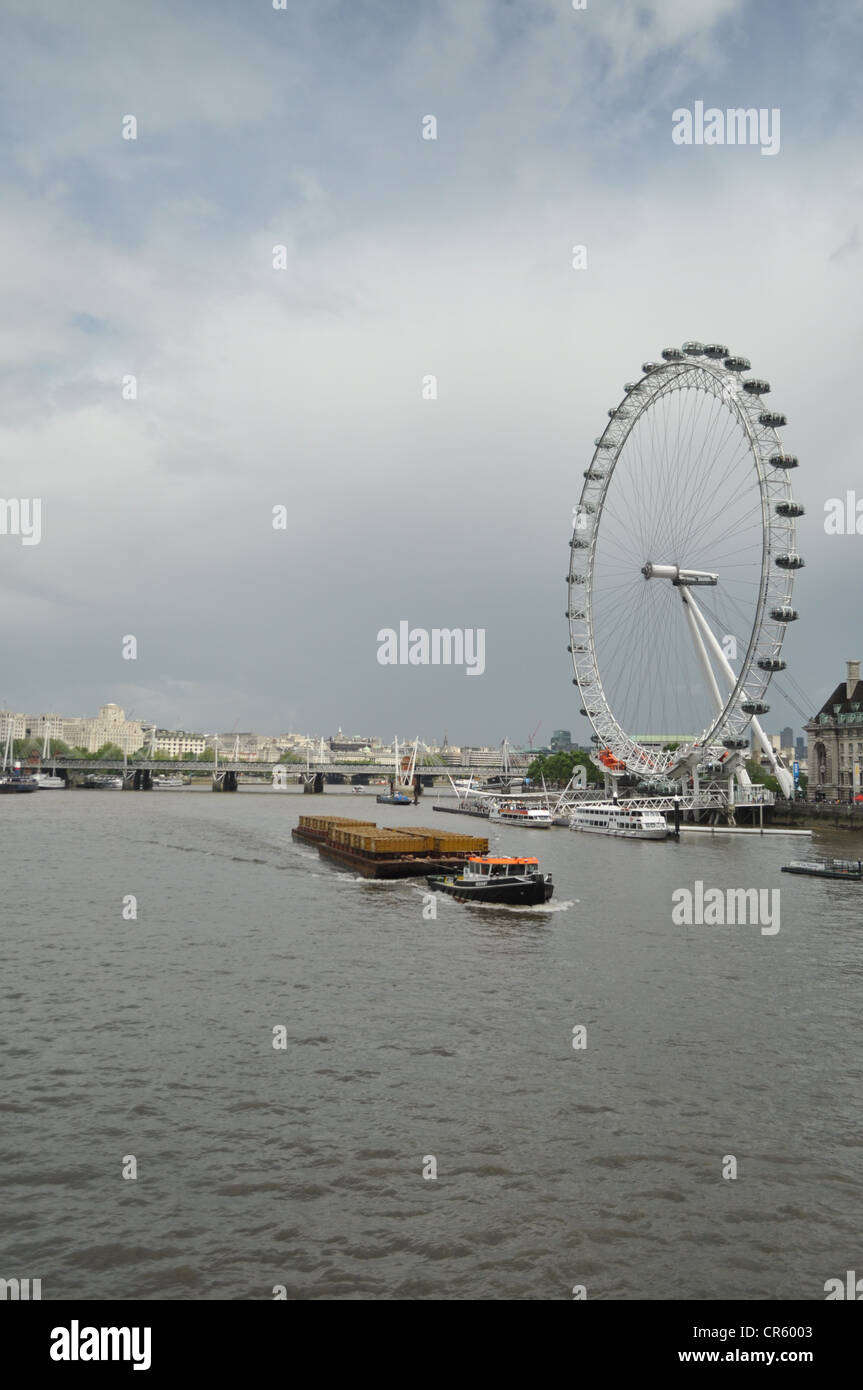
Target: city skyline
29	724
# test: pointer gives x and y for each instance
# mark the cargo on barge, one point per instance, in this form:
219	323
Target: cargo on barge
380	852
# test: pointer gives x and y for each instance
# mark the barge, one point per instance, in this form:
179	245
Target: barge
381	852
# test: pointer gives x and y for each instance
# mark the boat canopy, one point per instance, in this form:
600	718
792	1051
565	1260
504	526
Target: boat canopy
498	859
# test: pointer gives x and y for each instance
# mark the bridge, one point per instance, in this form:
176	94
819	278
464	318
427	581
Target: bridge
138	774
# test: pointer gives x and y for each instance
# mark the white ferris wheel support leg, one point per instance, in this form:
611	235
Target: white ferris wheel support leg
701	650
782	775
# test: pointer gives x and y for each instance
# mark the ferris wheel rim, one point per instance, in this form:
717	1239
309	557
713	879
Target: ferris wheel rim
679	373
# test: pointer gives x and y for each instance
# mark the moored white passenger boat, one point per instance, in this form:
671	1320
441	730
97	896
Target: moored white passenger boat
519	813
629	822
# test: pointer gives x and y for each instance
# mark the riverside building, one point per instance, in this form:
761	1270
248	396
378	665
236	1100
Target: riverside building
835	749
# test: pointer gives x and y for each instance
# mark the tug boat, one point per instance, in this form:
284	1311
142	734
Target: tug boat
496	879
630	822
849	869
518	813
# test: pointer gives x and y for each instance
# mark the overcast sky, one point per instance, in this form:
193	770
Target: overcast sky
405	257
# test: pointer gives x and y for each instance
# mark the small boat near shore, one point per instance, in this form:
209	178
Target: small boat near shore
520	813
18	784
49	782
496	879
396	799
849	869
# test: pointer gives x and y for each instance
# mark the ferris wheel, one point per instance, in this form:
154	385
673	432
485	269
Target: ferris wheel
682	567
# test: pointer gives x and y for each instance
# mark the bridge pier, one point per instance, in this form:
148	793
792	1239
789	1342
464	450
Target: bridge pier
141	780
314	784
225	782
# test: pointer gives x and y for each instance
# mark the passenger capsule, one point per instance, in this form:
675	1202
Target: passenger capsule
790	560
772	418
785	614
735	743
738	364
672	354
755	707
693	349
756	387
716	350
648	367
579	545
783	460
790	509
593	474
771	663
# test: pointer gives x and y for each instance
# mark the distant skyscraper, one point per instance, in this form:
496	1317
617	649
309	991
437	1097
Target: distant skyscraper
561	741
788	737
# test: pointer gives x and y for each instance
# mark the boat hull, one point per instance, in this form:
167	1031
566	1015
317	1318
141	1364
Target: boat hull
9	787
814	871
529	894
393	800
521	821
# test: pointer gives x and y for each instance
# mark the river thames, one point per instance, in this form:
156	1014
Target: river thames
410	1038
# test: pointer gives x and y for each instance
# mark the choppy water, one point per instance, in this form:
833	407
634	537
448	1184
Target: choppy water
409	1038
